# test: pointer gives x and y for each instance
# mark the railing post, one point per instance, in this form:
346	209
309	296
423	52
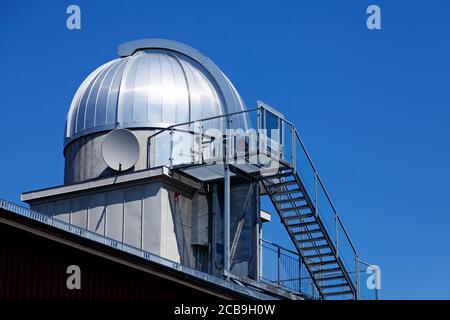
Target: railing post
148	153
201	158
193	146
227	204
226	246
260	261
258	130
171	149
299	274
315	194
336	226
357	278
293	150
229	141
278	260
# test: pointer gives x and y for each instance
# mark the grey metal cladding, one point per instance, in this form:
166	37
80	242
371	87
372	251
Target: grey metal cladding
114	215
132	229
154	87
78	215
97	213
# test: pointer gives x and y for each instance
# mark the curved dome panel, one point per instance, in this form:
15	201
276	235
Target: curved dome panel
153	87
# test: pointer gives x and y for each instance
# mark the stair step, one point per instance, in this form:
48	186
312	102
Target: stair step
296	208
304	224
311	231
330	278
337	293
290	200
322	263
324	246
322	255
283	184
293	207
327	271
311	240
278	175
296	217
332	286
285	192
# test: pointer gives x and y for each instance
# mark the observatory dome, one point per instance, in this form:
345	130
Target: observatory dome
155	83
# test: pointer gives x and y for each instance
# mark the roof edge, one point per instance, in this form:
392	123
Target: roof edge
129	48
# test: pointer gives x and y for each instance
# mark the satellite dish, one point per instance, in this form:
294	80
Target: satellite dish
120	149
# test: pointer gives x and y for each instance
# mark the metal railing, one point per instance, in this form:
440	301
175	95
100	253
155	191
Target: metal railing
248	136
369	280
283	267
200	141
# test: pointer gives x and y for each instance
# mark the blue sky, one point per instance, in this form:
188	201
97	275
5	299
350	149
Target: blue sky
372	106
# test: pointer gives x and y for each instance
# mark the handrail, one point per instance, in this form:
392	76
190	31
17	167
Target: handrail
281	247
319	179
282	266
204	119
215	117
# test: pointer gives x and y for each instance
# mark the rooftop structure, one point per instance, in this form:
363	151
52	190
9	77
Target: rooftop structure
163	159
156	83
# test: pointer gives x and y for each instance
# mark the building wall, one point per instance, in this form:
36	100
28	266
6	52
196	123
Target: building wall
183	226
84	160
147	216
244	207
34	268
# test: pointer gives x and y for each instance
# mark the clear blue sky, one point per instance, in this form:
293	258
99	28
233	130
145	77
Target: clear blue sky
372	106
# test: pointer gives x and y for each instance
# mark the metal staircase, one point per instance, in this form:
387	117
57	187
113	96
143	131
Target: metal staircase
306	229
294	187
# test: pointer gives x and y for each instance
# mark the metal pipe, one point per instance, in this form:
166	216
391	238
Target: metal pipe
148	153
293	150
204	119
226	241
278	260
215	117
171	150
258	233
295	253
316	204
226	206
337	235
357	279
259	126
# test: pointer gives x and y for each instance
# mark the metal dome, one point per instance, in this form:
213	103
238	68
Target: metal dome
155	83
